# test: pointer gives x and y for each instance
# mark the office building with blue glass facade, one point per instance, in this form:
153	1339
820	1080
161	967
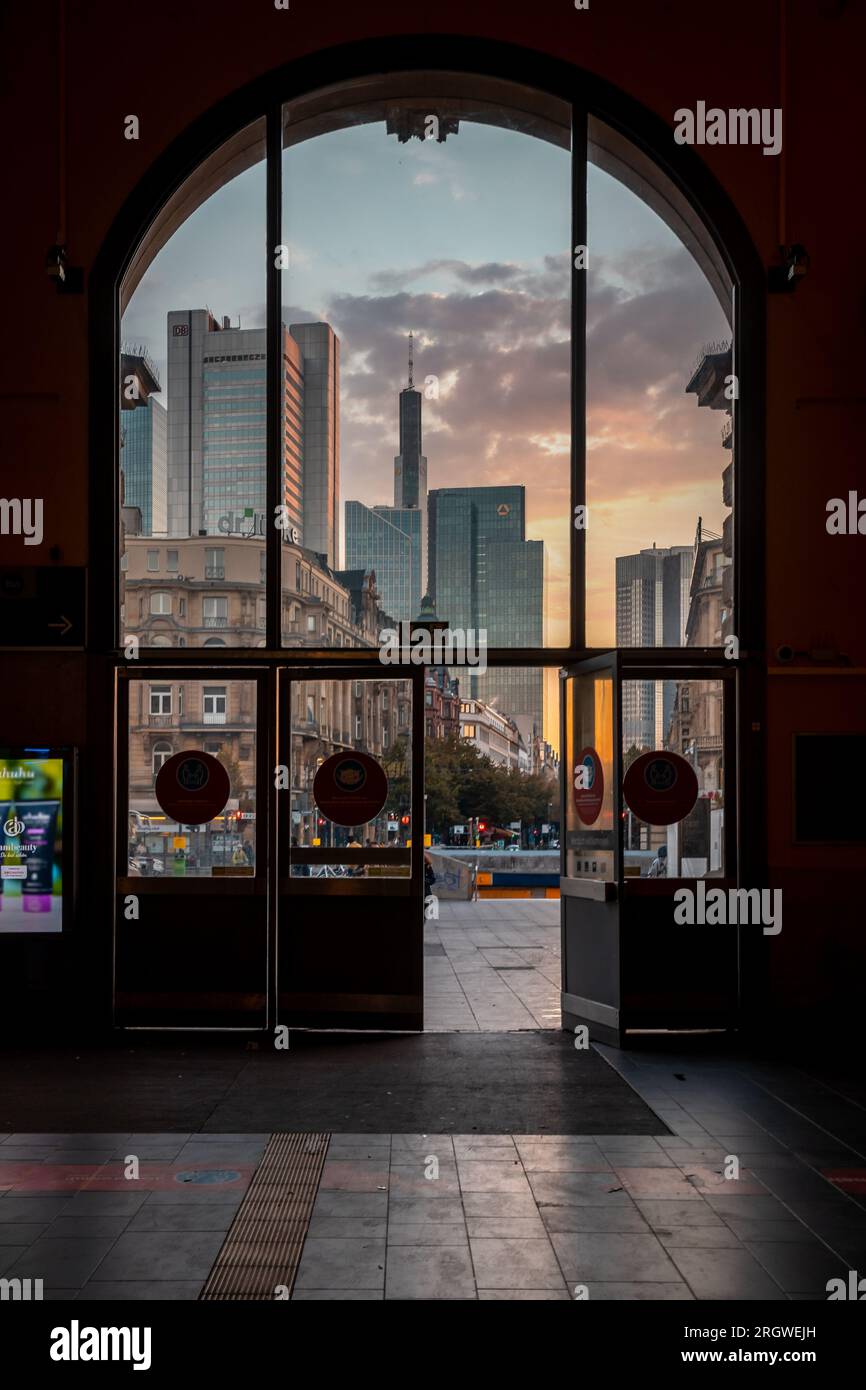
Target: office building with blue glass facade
217	429
486	577
388	541
144	464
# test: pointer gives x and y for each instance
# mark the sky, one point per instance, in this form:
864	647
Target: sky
466	243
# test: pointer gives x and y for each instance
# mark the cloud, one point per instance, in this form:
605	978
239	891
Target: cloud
498	335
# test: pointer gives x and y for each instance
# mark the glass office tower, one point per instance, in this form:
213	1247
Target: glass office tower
484	576
144	464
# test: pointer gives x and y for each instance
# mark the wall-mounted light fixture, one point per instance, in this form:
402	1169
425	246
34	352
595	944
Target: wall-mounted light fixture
782	279
69	279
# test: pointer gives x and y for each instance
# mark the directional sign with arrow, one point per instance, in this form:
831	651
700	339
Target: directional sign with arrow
42	607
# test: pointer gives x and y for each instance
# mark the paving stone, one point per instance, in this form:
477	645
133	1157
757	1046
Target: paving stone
199	1216
725	1275
336	1295
579	1189
798	1267
605	1256
352	1205
21	1233
149	1255
428	1272
141	1290
341	1263
619	1218
427	1233
413	1208
517	1263
644	1293
63	1262
485	1176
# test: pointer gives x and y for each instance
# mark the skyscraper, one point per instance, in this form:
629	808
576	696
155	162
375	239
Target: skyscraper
217	383
652	605
387	540
144	464
485	576
410	468
392	541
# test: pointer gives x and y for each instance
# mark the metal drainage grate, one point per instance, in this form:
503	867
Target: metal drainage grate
262	1249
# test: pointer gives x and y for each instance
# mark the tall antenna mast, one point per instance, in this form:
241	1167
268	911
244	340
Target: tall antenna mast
411	359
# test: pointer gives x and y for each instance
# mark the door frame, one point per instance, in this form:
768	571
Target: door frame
331	892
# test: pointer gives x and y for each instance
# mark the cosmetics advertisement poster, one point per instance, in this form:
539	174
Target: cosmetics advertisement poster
31	844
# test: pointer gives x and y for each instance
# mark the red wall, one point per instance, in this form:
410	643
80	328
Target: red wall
168	63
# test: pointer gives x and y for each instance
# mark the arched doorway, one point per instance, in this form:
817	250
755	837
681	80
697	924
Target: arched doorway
234	453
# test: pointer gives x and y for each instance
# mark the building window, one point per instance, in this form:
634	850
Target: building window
160	699
153	560
160	603
171	561
215	610
214	562
311	625
358	729
214	704
160	754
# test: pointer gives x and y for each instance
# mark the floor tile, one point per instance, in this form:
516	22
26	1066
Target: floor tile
200	1216
643	1293
135	1290
162	1255
803	1267
579	1189
424	1272
604	1256
725	1274
515	1263
341	1263
427	1233
65	1262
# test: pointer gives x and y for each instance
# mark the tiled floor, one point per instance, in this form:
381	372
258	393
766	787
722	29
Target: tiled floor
402	1216
606	1217
482	1216
492	966
74	1213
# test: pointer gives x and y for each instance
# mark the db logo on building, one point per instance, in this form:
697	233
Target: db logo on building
14	826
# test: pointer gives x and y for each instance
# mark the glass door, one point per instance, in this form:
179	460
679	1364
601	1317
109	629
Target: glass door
351	849
591	848
191	921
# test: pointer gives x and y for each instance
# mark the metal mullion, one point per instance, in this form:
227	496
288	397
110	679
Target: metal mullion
577	588
273	376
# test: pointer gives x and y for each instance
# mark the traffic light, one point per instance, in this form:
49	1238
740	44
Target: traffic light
482	826
404	820
321	820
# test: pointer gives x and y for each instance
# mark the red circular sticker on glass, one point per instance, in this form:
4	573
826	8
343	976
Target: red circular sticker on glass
588	785
192	787
661	788
350	788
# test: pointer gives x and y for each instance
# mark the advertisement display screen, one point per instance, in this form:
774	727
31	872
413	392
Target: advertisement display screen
33	788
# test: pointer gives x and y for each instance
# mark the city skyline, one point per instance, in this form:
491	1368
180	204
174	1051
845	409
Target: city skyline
431	238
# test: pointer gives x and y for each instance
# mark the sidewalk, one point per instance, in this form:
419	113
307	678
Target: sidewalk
492	966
